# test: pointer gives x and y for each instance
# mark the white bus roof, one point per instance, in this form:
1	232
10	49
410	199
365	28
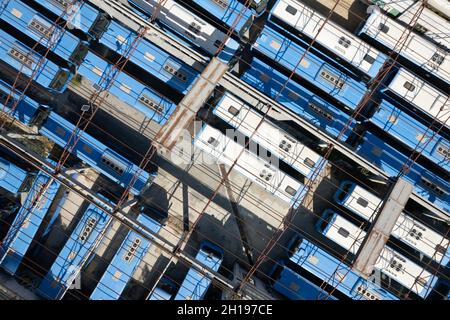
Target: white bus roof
421	237
429	23
441	6
416	49
308	21
362	202
403	270
421	95
186	23
345	233
278	142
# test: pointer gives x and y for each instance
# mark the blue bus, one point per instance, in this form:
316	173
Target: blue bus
77	250
312	68
334	272
298	99
231	12
28	21
414	134
295	287
82	16
432	187
195	284
25	111
95	153
127	89
12	177
23	59
153	60
26	223
124	263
